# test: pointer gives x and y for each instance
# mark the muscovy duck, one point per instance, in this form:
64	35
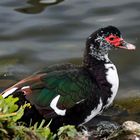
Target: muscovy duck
70	94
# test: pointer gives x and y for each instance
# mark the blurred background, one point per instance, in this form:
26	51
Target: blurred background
38	33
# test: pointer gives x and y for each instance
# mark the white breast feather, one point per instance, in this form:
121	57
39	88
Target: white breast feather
112	78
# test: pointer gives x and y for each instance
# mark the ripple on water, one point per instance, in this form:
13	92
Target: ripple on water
54	30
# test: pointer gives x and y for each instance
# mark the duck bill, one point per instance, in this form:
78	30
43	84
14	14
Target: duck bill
127	46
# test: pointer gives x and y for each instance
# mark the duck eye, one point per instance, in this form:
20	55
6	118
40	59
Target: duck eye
111	38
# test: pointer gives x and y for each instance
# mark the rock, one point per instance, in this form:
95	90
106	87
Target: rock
104	129
130	130
132	127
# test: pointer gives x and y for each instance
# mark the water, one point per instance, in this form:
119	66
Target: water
34	34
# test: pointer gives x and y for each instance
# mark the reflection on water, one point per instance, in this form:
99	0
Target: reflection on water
37	6
36	33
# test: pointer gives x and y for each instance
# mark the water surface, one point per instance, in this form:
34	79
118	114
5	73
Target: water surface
34	34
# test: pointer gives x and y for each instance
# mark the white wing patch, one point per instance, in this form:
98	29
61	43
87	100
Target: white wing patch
80	101
53	105
25	87
7	93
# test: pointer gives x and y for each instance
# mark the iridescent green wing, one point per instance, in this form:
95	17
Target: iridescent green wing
73	86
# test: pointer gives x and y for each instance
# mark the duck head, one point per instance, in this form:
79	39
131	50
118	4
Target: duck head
104	39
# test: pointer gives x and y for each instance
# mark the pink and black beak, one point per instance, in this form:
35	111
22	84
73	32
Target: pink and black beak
125	45
119	42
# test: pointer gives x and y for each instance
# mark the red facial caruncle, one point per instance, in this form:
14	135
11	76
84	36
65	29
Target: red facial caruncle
118	42
114	40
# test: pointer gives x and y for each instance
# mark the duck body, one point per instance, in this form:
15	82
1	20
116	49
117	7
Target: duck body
66	93
70	94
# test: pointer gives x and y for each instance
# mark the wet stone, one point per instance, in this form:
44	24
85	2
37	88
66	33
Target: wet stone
132	127
104	129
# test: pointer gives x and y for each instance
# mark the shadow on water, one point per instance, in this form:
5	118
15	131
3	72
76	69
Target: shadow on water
37	6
